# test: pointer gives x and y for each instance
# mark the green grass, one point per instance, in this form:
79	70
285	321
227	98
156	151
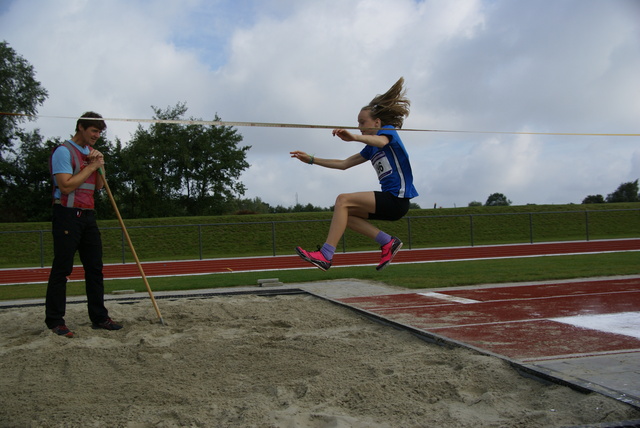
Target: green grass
183	238
178	238
410	276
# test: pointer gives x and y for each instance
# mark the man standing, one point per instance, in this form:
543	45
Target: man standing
74	169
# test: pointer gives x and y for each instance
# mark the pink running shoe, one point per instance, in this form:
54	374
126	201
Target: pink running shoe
388	251
314	257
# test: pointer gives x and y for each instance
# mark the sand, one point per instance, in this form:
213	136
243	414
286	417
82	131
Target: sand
263	361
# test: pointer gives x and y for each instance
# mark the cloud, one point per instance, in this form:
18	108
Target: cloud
114	57
470	65
545	65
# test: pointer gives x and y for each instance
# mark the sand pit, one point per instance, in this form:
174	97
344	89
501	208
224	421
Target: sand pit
258	361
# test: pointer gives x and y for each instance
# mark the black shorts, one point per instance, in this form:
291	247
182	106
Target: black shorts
389	207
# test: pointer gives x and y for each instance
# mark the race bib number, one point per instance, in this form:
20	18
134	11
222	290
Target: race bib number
381	164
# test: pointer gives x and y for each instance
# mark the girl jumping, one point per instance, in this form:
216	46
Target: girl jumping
377	122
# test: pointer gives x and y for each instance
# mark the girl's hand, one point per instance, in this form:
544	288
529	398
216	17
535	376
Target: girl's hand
344	135
302	156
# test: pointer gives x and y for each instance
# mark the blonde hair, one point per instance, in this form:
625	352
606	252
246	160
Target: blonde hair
391	107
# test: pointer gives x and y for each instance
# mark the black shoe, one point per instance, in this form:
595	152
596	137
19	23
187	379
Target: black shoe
62	330
107	324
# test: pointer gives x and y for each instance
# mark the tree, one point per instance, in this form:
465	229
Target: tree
212	167
475	204
20	94
116	176
250	206
27	192
497	199
626	192
174	169
150	166
593	199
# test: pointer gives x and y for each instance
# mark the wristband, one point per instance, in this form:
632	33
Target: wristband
311	160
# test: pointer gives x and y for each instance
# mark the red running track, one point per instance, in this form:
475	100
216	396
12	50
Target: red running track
171	268
519	322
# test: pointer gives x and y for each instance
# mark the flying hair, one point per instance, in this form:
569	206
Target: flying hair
391	107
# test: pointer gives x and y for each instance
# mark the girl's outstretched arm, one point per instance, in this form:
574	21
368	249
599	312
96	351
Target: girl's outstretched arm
369	140
343	164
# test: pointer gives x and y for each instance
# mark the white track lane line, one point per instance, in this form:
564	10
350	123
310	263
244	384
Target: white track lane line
448	298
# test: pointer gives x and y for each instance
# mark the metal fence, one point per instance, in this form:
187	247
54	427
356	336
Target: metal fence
269	237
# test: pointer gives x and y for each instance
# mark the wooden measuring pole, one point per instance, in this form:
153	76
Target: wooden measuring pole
133	251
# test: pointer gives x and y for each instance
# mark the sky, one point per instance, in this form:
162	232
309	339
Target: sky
488	70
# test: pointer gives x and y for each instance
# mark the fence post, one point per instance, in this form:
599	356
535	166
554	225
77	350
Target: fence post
409	230
471	227
531	227
200	240
41	249
586	221
273	237
122	245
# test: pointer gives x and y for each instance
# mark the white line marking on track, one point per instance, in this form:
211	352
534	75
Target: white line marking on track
448	298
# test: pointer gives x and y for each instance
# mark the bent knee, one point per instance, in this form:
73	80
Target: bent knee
342	200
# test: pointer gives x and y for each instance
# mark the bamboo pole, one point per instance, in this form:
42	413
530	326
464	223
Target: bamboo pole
133	251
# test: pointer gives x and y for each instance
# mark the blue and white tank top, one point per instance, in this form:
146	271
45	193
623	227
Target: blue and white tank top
391	163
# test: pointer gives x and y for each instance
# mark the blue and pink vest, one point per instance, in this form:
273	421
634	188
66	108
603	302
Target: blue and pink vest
82	197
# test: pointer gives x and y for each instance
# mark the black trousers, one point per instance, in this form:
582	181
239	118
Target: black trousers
75	230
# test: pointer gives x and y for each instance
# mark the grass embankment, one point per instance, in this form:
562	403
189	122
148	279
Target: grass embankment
178	238
237	236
